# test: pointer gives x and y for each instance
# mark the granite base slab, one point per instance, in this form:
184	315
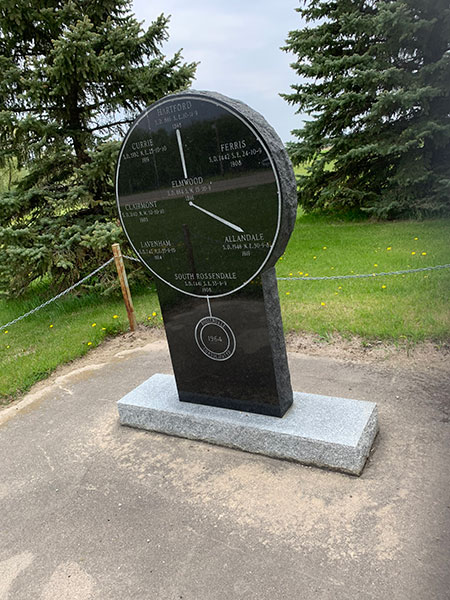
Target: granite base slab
335	433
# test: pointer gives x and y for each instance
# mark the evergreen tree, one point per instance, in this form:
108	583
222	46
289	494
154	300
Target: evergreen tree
375	81
74	73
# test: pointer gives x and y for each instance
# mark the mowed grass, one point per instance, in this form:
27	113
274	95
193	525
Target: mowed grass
399	308
66	329
411	307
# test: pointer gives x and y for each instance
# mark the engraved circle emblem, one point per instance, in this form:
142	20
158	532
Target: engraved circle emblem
198	195
215	338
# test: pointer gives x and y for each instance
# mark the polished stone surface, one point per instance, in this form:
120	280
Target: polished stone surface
207	197
323	431
206	193
229	352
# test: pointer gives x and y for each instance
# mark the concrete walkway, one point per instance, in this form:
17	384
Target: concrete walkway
92	510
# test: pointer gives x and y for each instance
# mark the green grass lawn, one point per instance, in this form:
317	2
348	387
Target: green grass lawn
412	307
66	329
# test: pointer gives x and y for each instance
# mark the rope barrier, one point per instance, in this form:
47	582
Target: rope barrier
72	287
382	273
131	258
69	289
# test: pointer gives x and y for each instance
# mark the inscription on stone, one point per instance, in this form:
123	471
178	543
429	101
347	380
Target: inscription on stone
207	197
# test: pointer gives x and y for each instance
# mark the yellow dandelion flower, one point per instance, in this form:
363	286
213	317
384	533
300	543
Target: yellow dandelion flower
153	314
389	248
115	316
324	248
103	328
306	274
340	287
94	324
6	331
424	253
89	343
300	272
412	253
290	274
335	293
383	287
375	265
322	304
314	257
50	326
416	238
287	293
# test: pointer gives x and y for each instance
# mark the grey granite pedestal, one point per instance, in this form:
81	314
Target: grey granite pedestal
335	433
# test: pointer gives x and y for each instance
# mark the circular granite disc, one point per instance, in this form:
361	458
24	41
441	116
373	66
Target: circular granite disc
205	192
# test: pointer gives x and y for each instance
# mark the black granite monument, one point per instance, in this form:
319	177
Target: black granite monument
207	198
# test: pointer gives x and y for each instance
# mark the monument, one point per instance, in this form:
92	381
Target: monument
207	198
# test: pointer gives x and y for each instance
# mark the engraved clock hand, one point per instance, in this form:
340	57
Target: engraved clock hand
183	162
180	147
224	221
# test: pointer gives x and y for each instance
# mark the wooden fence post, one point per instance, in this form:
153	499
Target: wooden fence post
124	285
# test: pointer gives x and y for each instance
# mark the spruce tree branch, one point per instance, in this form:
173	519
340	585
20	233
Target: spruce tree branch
21	109
109	125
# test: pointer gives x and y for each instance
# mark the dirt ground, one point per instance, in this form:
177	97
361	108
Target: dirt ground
423	356
92	510
339	348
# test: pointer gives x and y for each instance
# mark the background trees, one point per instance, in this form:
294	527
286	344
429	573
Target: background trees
375	81
74	73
